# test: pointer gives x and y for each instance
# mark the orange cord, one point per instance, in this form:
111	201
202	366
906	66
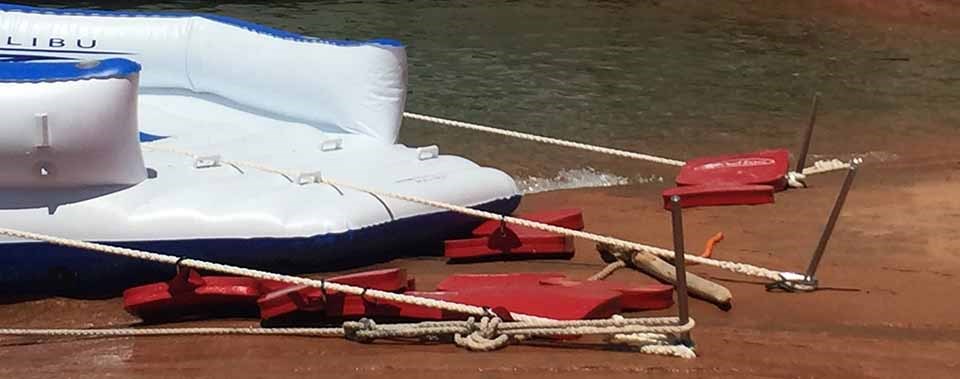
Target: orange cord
708	248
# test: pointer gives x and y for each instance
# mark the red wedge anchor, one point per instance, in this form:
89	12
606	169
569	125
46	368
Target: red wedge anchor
636	297
190	295
544	245
469	281
310	306
544	301
298	304
388	279
567	218
741	179
499	240
767	167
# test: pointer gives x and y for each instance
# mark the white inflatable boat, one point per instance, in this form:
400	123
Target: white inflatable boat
113	126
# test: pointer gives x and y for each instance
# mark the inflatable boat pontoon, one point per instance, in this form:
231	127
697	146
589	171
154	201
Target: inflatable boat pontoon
112	125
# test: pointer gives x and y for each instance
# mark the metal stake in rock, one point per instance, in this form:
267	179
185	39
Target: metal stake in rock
808	135
811	272
808	281
680	262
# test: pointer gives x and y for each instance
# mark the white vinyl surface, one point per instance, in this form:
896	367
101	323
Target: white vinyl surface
214	88
183	202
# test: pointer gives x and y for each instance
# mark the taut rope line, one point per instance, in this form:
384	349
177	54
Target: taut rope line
547	140
740	268
818	167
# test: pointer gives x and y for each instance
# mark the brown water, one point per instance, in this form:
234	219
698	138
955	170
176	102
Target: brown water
675	78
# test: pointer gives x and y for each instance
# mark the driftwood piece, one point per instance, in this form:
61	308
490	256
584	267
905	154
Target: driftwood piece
659	269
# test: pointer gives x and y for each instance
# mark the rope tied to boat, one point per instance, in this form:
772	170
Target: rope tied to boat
795	179
544	139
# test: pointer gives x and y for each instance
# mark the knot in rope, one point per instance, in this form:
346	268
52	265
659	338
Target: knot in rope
792	282
795	179
483	336
653	343
827	165
352	330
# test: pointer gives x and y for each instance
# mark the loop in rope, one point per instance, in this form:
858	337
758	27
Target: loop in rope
179	264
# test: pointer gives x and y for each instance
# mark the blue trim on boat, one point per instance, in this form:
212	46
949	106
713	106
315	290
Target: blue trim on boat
247	25
38	268
52	71
147	137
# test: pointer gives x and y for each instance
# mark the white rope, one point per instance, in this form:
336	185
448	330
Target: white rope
368	330
795	179
818	167
607	271
544	139
650	335
740	268
828	165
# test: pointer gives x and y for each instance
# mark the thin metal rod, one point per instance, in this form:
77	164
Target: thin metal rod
832	221
679	262
808	135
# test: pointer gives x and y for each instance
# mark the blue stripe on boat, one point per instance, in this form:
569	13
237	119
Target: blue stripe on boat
147	137
51	71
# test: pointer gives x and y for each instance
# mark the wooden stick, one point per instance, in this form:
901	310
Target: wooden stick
661	270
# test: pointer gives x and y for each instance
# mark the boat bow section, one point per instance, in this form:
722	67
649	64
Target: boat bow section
212	91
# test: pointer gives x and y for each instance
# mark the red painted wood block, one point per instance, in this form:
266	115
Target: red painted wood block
543	301
529	245
768	167
636	297
284	301
189	294
719	194
469	281
567	218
